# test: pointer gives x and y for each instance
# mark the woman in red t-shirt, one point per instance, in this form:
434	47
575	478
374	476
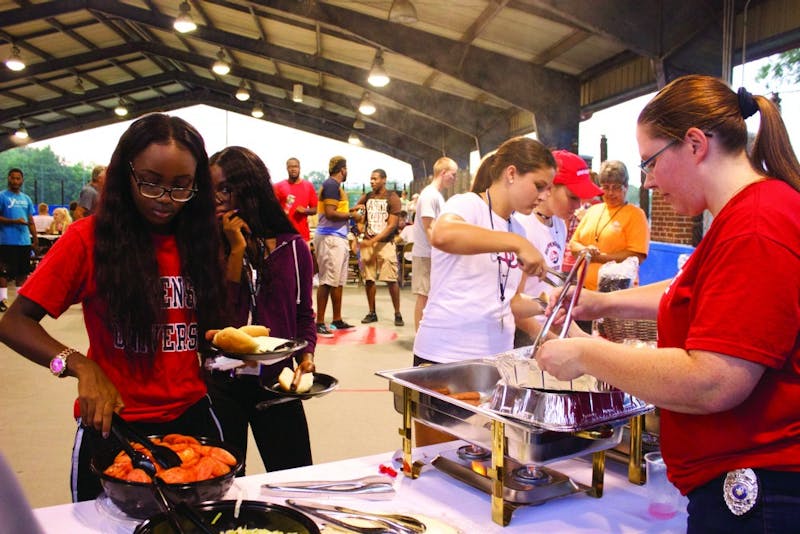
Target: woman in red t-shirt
727	371
147	284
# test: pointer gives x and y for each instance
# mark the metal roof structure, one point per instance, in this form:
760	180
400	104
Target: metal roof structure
465	74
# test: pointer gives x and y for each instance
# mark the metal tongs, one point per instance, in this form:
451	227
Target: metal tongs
369	487
575	278
338	515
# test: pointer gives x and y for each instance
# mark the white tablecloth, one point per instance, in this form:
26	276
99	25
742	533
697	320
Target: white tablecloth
621	510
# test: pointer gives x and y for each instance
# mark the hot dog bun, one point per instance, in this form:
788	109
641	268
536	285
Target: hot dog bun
255	330
233	340
286	377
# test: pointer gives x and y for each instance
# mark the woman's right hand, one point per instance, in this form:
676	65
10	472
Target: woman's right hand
97	396
588	307
234	228
530	259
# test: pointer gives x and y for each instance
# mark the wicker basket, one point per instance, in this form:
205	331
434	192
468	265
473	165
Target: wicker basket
618	330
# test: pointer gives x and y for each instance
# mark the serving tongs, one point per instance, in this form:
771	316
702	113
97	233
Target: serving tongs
338	515
164	456
369	487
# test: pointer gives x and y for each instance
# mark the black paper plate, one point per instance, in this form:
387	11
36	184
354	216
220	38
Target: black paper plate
291	346
323	384
252	514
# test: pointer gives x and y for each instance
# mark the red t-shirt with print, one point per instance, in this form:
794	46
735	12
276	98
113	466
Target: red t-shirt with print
156	393
292	196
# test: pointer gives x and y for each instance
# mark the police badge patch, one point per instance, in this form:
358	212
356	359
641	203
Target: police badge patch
740	491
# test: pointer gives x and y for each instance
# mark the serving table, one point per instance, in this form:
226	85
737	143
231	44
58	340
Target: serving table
622	509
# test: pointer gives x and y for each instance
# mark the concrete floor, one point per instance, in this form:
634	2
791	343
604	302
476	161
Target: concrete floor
37	428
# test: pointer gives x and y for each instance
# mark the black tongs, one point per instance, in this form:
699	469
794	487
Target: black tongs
164	456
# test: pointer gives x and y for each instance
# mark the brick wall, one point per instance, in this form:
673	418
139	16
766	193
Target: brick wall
666	225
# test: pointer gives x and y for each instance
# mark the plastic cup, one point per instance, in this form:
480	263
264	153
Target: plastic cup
662	496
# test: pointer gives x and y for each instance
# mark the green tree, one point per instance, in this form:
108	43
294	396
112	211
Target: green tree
47	177
316	178
783	69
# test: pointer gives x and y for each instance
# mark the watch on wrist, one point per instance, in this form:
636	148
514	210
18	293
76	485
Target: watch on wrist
58	365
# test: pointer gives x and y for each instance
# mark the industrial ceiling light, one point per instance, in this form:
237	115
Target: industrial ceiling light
403	12
14	61
297	92
221	66
258	111
366	106
21	132
358	124
78	88
377	76
183	22
121	110
242	93
353	139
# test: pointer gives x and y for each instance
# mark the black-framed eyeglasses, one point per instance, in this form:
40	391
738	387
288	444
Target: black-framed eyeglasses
154	191
649	164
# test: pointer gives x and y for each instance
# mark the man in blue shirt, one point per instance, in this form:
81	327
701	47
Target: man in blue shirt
17	233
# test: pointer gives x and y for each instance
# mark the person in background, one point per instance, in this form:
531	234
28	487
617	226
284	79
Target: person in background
90	194
73	206
572	223
297	197
381	208
726	373
269	273
406	234
411	208
147	286
480	256
43	218
61	221
545	226
428	204
612	230
331	246
17	235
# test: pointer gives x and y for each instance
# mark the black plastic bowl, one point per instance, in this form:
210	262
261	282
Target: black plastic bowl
252	514
138	499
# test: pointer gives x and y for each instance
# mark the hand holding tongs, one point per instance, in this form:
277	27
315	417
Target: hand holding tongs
385	523
369	487
575	277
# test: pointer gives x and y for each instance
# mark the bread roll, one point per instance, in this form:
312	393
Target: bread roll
255	330
233	340
286	377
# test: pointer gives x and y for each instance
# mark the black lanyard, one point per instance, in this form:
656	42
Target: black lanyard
502	279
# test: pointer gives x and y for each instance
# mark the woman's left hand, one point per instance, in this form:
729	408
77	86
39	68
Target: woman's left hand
305	366
562	357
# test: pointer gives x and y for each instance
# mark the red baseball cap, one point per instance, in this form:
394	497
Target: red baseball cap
573	173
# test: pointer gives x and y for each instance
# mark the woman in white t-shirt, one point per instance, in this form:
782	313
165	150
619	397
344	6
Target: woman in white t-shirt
480	257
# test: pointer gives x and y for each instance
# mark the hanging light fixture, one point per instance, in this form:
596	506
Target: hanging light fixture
183	22
297	92
353	139
221	66
358	124
78	88
403	12
21	132
258	110
14	61
242	93
377	76
121	110
366	106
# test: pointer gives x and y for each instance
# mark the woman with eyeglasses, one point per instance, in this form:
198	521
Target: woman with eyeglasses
726	373
269	275
147	270
612	230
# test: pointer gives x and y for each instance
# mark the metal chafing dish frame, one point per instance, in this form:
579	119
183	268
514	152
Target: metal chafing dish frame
415	403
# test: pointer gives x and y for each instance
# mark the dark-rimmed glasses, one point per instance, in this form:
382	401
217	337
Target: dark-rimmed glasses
154	191
649	164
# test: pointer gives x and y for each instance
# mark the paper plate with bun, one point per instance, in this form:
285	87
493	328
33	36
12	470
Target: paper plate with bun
311	385
253	342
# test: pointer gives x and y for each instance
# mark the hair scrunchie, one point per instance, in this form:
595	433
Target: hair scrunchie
747	104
